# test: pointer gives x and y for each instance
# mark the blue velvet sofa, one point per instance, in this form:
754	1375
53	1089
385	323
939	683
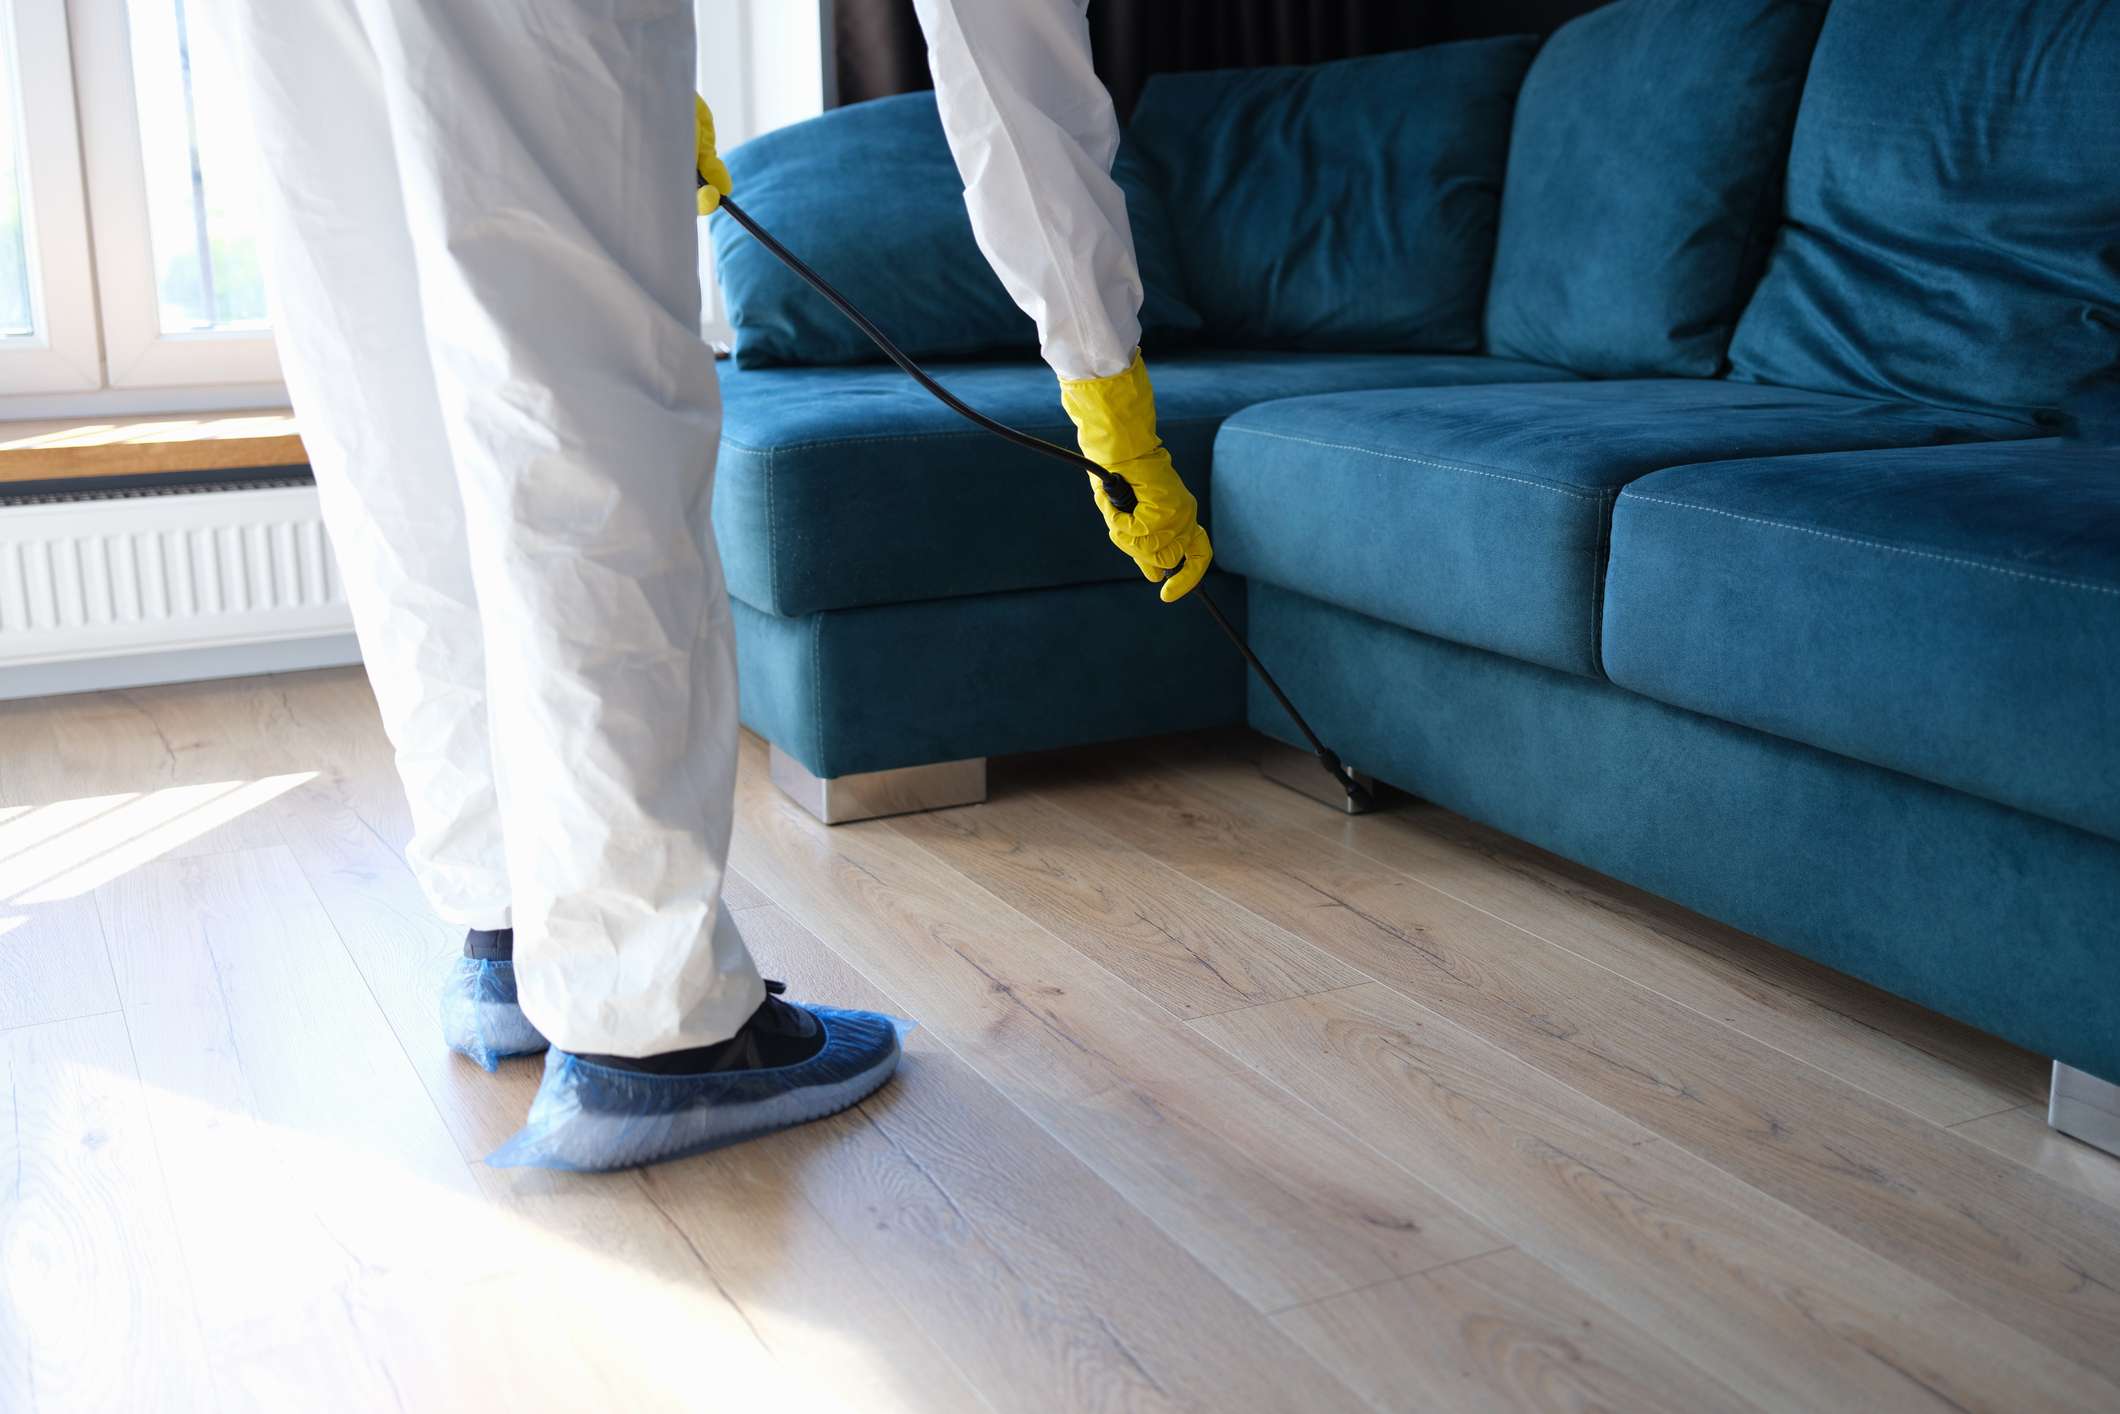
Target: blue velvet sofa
1686	445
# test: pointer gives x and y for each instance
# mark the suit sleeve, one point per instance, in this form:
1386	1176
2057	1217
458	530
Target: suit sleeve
1033	132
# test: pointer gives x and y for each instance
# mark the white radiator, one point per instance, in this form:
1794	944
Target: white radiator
155	574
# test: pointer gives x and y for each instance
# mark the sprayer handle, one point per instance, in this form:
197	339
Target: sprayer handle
1119	492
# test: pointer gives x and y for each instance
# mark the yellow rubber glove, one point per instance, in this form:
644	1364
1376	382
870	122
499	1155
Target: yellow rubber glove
1115	422
714	183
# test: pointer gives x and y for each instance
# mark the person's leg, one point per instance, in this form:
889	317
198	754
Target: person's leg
545	155
547	151
543	163
352	344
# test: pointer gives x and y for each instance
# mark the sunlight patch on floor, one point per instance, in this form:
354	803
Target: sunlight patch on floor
65	849
308	1250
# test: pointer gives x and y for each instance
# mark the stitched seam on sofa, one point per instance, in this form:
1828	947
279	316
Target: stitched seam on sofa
1423	461
1885	549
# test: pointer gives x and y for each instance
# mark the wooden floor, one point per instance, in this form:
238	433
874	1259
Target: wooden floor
1219	1102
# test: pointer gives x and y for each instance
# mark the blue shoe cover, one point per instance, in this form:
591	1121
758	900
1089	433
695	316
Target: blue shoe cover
480	1016
592	1117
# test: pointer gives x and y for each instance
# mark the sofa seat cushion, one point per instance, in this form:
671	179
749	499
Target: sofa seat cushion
841	487
1480	514
1949	612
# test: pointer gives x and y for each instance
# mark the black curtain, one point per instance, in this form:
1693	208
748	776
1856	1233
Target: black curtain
1133	39
880	52
877	49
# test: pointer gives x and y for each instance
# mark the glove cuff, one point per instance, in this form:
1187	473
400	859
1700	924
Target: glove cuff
714	181
1115	417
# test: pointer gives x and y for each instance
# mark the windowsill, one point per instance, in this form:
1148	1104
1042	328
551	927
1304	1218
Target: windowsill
84	446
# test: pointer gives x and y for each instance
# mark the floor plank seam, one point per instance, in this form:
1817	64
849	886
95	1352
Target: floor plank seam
1209	886
59	1020
1001	903
197	1318
1269	1001
2006	1109
1088	1159
404	1045
1388	1281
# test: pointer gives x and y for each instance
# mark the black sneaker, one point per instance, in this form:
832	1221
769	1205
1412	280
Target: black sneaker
779	1033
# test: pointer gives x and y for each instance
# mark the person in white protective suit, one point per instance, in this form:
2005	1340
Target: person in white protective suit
480	239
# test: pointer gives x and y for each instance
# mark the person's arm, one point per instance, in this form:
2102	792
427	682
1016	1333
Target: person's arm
1034	133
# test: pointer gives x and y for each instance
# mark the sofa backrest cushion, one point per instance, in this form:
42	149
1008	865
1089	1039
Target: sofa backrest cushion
1343	206
1953	210
869	197
1644	183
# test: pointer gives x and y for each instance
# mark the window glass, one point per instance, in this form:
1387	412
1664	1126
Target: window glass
17	315
201	182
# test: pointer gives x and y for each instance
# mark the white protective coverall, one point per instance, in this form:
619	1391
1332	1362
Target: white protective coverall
1034	132
481	245
481	242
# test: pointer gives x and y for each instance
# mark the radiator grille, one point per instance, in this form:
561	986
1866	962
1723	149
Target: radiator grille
131	573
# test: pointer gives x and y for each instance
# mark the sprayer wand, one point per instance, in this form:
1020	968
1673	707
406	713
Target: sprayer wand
1116	489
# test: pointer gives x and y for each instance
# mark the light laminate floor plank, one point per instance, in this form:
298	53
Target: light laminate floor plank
2023	1135
168	745
1500	1334
52	963
310	1179
1776	1306
1046	1287
1160	1143
2031	1253
1928	1064
1281	1204
1177	943
95	1304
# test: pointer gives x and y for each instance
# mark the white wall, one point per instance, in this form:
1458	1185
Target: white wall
762	65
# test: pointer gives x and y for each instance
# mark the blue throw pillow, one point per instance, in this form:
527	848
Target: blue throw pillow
1644	184
1953	211
869	197
1345	206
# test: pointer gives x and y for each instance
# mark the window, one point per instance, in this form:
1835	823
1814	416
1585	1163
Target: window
16	319
201	185
129	269
172	190
47	299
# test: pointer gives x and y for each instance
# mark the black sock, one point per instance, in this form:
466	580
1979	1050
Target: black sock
490	944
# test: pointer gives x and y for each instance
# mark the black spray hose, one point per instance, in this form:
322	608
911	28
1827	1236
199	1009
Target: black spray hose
1116	489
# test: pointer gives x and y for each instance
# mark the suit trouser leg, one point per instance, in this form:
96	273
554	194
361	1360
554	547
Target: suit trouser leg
523	170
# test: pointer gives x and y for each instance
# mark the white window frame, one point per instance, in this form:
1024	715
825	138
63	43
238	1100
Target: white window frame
762	64
63	355
138	353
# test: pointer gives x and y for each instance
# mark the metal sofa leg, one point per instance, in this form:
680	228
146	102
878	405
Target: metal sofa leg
2084	1107
1297	769
839	799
